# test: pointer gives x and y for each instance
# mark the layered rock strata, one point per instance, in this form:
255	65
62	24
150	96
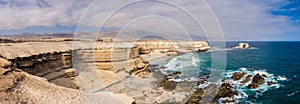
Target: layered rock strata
53	61
168	46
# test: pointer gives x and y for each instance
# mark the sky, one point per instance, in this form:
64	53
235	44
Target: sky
239	19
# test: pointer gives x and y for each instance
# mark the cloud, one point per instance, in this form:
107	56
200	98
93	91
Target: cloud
240	19
250	20
19	14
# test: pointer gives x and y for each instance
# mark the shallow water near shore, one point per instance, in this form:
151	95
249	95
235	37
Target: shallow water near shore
278	60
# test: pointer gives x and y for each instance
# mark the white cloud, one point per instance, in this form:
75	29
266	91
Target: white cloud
19	14
240	19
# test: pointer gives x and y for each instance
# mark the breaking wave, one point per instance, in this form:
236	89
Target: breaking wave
291	94
243	89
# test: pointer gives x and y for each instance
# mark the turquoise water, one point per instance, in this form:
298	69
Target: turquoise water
279	60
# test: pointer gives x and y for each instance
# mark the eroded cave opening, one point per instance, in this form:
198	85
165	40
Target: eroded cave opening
55	67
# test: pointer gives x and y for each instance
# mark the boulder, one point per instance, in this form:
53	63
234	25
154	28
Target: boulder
4	63
238	76
256	81
226	90
247	79
270	83
196	97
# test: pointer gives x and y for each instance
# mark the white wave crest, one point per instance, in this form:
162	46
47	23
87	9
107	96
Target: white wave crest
282	78
291	94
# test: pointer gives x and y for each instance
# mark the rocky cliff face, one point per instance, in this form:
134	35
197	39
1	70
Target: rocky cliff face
167	46
53	60
30	66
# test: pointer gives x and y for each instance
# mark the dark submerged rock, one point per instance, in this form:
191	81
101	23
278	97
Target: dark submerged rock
196	97
256	81
247	79
238	76
270	83
174	74
226	90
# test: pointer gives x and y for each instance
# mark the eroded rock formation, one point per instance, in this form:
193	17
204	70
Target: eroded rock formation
256	81
52	62
169	46
243	46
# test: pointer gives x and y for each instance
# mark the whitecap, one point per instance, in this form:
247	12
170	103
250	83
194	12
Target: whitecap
204	85
281	78
243	69
291	94
221	100
253	48
261	72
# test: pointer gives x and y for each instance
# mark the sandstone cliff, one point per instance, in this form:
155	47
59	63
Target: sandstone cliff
27	68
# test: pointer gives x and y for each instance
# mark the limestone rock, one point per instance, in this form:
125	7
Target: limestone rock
4	63
243	46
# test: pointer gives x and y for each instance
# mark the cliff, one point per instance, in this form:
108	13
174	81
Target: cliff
168	46
34	64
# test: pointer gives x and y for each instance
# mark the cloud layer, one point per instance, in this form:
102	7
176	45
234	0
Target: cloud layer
240	19
19	14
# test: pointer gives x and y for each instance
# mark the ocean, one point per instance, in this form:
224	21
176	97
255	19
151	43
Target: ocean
278	60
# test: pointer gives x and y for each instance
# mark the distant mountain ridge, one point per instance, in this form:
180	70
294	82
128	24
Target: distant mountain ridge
105	34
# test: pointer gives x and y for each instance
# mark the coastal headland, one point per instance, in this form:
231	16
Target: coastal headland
52	72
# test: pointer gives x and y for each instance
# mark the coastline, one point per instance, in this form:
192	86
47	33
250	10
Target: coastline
134	73
54	66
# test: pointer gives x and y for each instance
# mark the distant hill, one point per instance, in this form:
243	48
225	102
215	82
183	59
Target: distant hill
141	35
35	35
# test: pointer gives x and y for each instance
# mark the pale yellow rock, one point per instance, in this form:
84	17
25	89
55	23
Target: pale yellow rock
243	46
4	62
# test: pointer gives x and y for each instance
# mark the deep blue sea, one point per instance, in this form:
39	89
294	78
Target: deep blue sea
279	60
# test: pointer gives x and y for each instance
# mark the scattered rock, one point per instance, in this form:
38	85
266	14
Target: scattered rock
247	79
270	83
196	97
174	74
223	80
167	84
226	90
4	63
163	67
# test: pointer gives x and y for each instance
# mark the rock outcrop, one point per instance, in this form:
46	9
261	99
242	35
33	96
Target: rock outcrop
18	87
168	46
167	84
238	76
243	46
27	68
225	91
256	81
247	79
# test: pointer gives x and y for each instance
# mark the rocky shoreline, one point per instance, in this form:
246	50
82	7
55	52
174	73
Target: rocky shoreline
27	68
141	81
